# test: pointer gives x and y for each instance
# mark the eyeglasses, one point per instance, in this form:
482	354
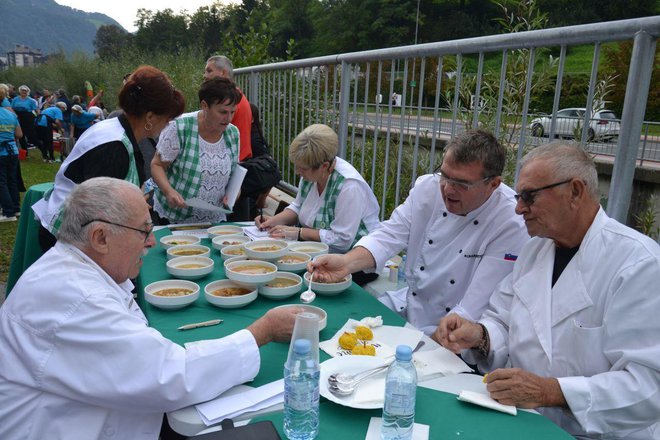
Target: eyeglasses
529	195
146	233
462	185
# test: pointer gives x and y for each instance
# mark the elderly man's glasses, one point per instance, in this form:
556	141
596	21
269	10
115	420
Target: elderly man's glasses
462	185
146	233
529	195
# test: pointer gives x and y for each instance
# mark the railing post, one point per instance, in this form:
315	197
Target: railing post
253	91
344	96
634	105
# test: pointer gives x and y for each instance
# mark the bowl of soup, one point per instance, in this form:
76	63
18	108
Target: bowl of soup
229	260
284	285
190	268
221	241
224	230
251	271
329	289
233	251
188	250
293	262
266	249
229	294
178	240
311	248
171	294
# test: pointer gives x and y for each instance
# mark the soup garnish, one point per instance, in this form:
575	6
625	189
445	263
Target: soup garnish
177	291
230	291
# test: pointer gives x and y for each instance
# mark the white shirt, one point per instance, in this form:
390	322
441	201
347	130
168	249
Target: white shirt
78	361
453	262
597	330
355	203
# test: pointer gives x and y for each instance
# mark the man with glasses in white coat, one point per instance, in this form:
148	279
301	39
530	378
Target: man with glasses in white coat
459	230
577	319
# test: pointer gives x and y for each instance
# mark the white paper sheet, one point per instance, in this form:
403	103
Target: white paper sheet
198	203
234	185
231	403
420	432
255	234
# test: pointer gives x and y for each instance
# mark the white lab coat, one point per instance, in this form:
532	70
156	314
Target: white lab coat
453	262
78	361
597	330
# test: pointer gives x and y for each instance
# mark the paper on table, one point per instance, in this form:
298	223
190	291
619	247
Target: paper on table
255	234
371	390
386	338
229	405
420	432
486	401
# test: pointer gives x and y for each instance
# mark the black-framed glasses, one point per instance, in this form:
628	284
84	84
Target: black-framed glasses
146	233
529	195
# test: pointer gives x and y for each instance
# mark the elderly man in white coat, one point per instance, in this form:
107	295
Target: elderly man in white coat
77	358
460	231
578	317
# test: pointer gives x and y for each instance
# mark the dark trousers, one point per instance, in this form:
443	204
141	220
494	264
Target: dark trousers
9	197
26	119
46	142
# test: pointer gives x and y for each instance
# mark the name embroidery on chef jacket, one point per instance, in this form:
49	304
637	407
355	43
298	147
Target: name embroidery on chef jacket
473	255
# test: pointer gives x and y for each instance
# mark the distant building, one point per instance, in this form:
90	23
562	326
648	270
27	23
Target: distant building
3	63
24	56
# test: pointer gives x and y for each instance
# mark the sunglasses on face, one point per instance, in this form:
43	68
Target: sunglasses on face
529	195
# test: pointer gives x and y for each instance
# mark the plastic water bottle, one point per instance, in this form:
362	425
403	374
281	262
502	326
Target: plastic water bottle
400	392
301	393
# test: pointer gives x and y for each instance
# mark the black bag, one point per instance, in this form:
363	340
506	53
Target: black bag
262	174
254	431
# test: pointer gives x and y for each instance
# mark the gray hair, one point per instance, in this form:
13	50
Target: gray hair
24	87
478	146
61	104
567	160
103	198
316	144
223	63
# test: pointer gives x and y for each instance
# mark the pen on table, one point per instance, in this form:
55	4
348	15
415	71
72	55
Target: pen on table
200	324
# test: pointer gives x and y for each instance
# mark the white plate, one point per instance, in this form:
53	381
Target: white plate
175	240
351	365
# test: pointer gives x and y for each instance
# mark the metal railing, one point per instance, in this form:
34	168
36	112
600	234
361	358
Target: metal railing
394	109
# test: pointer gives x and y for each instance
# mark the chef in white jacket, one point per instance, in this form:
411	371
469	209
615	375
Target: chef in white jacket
459	230
578	317
77	358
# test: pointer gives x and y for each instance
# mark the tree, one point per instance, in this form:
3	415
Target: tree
162	31
110	41
208	27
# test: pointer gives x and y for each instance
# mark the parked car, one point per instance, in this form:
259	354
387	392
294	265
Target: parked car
604	124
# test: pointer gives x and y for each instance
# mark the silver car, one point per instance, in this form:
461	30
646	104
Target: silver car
604	124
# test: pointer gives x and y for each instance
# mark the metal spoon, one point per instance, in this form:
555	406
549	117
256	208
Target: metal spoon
308	296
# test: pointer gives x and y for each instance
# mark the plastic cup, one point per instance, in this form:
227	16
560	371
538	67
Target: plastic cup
306	327
291	235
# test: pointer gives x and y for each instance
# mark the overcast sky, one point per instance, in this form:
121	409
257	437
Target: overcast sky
125	11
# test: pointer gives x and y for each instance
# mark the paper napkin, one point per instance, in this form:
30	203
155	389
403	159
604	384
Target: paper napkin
420	432
438	362
486	401
371	391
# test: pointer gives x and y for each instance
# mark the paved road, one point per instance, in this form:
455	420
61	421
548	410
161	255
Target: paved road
649	148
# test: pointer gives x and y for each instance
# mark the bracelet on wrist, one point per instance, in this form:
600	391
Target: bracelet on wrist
484	345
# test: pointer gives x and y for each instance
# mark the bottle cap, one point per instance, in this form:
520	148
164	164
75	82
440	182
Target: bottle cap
303	346
403	353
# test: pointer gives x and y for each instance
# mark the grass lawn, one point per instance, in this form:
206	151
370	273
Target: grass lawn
34	171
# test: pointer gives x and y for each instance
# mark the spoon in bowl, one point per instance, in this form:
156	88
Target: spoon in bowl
308	296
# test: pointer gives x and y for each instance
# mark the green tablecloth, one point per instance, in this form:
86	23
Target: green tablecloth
26	246
448	417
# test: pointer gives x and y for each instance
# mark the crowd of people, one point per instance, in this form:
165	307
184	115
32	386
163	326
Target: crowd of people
535	284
